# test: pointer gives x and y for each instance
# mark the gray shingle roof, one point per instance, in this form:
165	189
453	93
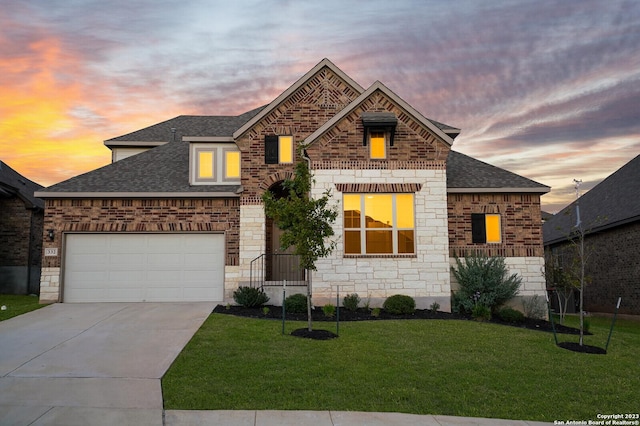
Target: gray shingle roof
161	169
188	125
613	202
466	172
164	169
13	183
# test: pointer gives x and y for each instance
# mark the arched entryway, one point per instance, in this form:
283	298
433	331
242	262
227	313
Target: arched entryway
281	264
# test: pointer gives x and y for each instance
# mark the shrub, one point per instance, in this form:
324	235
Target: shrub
434	307
375	312
510	315
250	297
351	302
329	310
399	304
296	304
481	313
534	307
483	281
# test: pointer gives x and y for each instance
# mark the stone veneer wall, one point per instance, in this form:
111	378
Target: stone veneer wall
136	215
424	276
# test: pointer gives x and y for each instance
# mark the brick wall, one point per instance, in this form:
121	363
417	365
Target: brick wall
301	114
20	247
148	215
612	269
521	223
15	227
412	144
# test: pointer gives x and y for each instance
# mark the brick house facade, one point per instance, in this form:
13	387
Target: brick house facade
610	213
21	225
335	120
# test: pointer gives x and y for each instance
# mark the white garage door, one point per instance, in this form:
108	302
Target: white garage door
143	267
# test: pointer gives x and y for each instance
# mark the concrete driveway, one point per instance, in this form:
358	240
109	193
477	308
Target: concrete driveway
92	363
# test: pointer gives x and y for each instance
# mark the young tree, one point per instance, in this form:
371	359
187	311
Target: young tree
306	222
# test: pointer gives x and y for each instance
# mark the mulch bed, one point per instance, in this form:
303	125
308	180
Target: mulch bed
362	314
585	349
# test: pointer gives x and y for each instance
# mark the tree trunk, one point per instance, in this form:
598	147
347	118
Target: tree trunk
310	322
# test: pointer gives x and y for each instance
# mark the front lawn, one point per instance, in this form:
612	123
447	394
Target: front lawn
449	367
17	305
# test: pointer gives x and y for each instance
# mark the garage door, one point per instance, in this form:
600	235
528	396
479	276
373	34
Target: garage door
143	267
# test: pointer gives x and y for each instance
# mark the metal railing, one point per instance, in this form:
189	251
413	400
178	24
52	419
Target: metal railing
274	269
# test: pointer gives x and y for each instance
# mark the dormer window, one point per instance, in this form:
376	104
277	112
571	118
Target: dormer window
379	130
214	163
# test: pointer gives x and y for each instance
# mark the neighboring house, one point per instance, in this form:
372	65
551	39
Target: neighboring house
21	219
610	215
184	219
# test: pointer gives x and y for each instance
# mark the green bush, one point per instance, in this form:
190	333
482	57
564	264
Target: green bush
483	281
296	304
399	304
534	307
375	312
250	297
351	302
481	313
434	307
510	315
329	310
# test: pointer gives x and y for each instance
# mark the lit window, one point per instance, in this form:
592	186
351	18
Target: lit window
285	149
278	149
379	224
377	143
205	164
231	165
486	228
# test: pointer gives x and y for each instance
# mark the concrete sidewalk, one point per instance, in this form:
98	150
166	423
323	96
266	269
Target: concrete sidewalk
326	418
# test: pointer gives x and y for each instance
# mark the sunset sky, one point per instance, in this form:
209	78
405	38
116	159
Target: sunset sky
547	89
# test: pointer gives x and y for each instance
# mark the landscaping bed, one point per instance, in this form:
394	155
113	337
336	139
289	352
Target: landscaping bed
363	314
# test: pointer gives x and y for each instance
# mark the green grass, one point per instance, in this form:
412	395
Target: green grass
460	368
17	305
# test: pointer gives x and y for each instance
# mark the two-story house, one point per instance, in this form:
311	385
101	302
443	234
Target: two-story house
178	215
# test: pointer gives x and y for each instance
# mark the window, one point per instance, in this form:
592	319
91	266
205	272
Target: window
278	149
378	145
214	163
231	165
379	224
485	228
205	164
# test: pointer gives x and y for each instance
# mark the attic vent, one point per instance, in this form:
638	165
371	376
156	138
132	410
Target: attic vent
384	121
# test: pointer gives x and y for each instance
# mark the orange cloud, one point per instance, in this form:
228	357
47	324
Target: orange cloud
40	138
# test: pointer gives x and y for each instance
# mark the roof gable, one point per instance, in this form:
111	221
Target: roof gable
613	202
367	95
325	63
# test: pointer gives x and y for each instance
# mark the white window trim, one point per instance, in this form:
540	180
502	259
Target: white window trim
394	229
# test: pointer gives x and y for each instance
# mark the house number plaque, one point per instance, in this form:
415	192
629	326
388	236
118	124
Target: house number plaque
51	251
